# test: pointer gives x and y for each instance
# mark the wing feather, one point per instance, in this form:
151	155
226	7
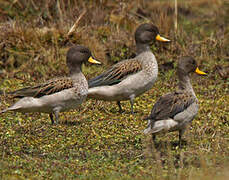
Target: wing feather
48	88
116	73
171	104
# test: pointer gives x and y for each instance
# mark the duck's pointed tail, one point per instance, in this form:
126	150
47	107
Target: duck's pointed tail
3	111
14	107
148	129
149	125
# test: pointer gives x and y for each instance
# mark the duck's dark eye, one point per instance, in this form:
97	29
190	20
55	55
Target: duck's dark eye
150	30
84	51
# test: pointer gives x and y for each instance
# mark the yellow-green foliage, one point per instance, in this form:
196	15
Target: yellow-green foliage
95	141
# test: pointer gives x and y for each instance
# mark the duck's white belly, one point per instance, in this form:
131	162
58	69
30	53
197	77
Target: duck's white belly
64	100
179	122
57	102
138	83
133	85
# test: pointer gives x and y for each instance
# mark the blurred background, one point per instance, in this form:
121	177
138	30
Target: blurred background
38	31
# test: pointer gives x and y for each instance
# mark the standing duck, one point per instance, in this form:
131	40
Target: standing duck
131	77
57	95
175	110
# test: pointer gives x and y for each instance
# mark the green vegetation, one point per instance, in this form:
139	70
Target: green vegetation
95	141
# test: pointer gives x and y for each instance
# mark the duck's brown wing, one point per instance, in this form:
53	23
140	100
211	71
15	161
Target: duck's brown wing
116	73
48	88
171	104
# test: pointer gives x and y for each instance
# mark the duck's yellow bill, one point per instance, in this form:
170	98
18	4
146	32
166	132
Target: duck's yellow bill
200	72
160	38
93	61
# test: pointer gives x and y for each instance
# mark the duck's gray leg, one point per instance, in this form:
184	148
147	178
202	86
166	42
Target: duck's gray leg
56	113
51	117
181	132
132	103
154	138
120	107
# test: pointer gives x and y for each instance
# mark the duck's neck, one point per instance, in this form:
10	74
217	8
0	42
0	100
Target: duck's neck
185	82
74	72
142	47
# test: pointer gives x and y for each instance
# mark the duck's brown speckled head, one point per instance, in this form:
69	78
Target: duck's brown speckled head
188	65
146	33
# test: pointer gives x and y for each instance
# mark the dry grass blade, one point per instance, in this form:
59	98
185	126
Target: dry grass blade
175	15
73	28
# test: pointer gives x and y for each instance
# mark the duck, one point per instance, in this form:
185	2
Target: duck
59	94
174	111
129	78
